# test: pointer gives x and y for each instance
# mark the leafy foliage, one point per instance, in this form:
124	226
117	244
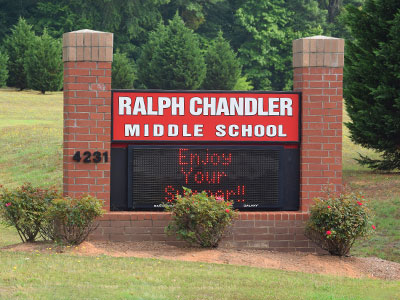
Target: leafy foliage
270	27
243	84
25	208
16	45
3	68
223	68
123	72
372	76
172	58
337	221
43	64
200	219
72	220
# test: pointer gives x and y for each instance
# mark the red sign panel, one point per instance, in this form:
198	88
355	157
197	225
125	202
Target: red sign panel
171	116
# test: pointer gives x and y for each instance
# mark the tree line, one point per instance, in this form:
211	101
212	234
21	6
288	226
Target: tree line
258	33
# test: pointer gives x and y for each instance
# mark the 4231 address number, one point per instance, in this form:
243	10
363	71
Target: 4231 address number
88	156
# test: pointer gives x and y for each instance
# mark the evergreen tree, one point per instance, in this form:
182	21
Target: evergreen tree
123	73
172	59
223	68
372	77
43	64
3	68
16	45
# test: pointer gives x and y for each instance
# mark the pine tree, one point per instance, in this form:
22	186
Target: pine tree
223	68
372	77
123	72
172	58
16	45
43	64
3	68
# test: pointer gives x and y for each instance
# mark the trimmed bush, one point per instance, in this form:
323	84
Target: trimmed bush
3	69
337	221
200	219
25	209
71	220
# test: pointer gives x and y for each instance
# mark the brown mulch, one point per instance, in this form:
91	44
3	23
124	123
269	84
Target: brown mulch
356	267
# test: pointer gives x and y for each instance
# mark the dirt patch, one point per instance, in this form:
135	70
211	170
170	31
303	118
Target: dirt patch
355	267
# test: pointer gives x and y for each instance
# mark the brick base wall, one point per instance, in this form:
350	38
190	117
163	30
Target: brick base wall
278	231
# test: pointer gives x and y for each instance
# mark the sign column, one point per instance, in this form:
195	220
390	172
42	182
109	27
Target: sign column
87	57
318	74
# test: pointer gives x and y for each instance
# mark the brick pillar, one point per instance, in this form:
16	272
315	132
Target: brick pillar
87	57
318	74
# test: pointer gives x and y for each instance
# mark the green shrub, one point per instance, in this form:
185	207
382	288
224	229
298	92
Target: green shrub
123	72
337	221
3	68
72	220
200	219
24	208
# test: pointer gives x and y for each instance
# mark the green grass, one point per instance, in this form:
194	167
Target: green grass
30	138
31	151
8	236
43	276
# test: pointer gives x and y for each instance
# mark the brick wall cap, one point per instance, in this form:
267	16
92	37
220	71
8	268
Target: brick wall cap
320	37
318	51
88	45
88	30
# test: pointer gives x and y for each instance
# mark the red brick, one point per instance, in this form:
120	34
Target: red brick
76	72
78	188
69	64
88	94
104	109
280	244
97	101
104	65
76	86
79	180
104	79
87	79
97	116
86	123
86	65
96	72
85	108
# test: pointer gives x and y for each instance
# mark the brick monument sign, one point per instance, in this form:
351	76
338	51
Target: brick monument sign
271	153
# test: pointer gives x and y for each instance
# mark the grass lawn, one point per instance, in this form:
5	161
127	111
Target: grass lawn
31	151
30	138
60	276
